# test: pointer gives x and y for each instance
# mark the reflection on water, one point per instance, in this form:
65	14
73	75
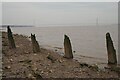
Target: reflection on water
86	41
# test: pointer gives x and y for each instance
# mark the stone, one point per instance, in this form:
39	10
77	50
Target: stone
67	48
10	38
35	45
42	72
38	76
8	67
50	57
84	64
30	75
26	52
11	60
35	54
94	67
60	61
50	71
110	50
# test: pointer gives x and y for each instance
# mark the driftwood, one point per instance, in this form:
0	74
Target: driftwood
67	48
10	38
110	50
35	44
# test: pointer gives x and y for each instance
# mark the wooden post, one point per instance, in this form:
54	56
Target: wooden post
35	44
10	38
67	48
110	50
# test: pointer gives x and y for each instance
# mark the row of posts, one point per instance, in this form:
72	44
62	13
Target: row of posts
112	59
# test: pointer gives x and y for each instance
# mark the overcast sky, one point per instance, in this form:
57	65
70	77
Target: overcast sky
59	13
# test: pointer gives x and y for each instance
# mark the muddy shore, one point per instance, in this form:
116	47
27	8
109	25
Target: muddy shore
23	63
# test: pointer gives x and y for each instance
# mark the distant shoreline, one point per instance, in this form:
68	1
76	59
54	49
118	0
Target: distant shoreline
17	25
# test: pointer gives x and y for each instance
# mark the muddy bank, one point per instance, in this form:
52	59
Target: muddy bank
23	63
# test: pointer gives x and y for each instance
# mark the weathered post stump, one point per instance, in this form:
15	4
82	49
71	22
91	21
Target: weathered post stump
67	48
35	44
10	38
110	50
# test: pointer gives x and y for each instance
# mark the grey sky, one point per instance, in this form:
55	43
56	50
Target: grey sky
59	13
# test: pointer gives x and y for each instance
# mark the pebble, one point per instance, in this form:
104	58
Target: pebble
34	69
48	64
11	60
60	61
29	75
74	51
95	66
26	52
48	53
42	72
35	54
55	49
17	46
50	71
8	67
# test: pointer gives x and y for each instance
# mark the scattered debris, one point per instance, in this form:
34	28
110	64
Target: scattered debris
94	67
83	64
50	57
26	61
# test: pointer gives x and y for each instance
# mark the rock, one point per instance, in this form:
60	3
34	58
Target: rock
60	61
67	48
35	54
94	67
37	76
113	68
50	57
17	46
110	49
26	52
74	51
30	75
50	71
8	67
34	69
84	64
11	60
48	64
56	50
42	72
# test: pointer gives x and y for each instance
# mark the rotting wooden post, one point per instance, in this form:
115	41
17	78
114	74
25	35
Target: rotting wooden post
10	38
110	50
67	48
35	44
